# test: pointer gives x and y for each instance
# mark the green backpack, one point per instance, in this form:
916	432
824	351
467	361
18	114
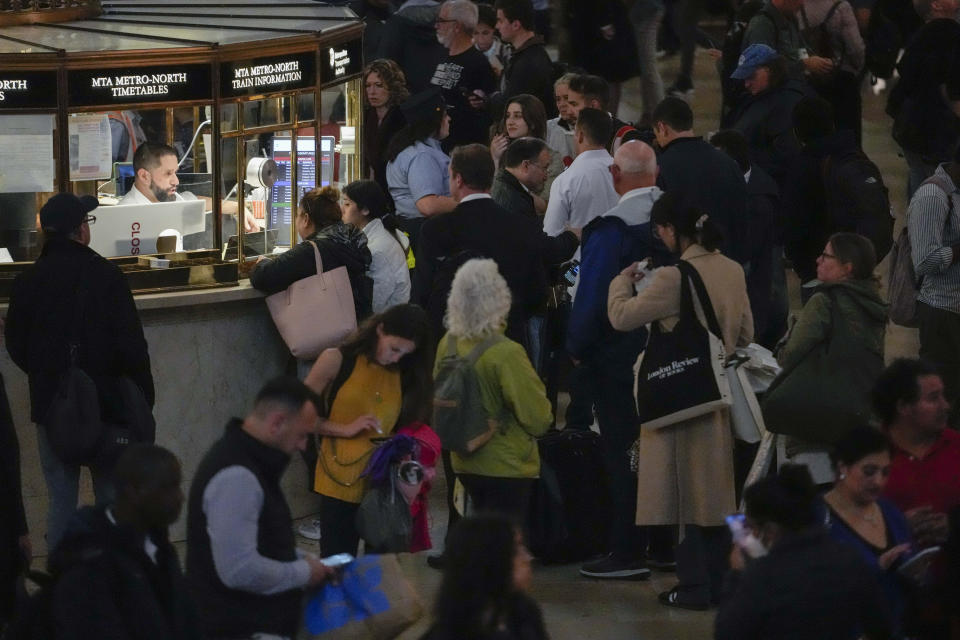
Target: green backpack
459	418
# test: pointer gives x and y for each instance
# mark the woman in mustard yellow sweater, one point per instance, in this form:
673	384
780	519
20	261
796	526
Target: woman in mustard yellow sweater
377	381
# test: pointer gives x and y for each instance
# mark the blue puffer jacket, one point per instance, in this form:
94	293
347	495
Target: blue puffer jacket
611	242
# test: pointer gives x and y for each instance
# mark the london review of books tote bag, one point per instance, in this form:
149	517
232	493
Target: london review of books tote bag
680	375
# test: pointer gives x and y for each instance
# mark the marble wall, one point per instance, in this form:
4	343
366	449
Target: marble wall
210	352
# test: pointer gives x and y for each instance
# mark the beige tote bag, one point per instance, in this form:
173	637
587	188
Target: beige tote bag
315	313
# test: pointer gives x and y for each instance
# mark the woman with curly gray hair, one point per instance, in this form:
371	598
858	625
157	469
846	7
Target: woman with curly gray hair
499	476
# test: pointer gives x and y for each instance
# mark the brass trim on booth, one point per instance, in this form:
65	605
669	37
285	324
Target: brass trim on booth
13	13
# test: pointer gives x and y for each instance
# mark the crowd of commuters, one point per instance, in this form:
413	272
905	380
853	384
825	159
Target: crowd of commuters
506	217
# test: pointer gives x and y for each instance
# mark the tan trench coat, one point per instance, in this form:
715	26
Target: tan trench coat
686	470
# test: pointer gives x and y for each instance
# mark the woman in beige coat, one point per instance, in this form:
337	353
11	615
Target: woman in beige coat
686	470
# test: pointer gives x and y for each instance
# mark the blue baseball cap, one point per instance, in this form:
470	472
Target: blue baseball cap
753	57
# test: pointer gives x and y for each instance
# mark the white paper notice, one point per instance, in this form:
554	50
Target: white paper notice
26	159
91	155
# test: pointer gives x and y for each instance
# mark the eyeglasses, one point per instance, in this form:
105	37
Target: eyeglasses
442	20
826	255
89	219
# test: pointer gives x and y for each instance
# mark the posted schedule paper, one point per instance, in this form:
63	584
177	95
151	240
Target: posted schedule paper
91	152
26	153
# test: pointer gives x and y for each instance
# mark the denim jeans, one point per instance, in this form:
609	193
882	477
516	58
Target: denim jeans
63	489
536	333
651	83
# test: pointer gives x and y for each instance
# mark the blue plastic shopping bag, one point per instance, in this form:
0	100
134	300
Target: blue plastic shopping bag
372	600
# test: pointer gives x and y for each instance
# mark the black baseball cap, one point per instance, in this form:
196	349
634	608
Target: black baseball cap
422	106
64	212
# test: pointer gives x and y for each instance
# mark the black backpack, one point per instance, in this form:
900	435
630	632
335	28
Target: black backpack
857	200
818	37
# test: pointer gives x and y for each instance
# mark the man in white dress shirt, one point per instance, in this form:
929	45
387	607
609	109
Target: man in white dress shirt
155	180
155	175
585	190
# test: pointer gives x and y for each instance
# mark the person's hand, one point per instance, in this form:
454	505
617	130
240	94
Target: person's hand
497	146
716	54
319	572
261	259
817	65
737	561
250	224
633	272
577	231
26	549
364	423
890	556
477	99
928	527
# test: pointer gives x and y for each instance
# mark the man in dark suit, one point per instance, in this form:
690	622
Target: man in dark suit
480	227
706	178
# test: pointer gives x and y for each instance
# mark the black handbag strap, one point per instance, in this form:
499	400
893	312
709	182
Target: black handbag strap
75	331
688	274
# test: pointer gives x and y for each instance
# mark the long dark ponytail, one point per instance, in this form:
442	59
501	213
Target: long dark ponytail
688	222
370	196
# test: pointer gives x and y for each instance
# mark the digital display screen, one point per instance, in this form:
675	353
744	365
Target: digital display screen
280	215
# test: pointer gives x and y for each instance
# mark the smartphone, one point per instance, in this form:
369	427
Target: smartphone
338	560
735	522
743	537
571	274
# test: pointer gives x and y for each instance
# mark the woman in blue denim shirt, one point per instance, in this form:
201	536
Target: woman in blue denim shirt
417	169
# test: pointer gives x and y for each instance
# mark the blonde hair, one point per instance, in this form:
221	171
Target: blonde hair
479	300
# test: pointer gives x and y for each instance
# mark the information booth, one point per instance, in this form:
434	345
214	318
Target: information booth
261	103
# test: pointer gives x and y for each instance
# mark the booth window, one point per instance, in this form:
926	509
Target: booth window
27	177
102	146
339	130
272	157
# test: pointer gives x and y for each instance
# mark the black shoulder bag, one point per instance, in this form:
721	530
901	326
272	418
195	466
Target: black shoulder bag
91	422
680	375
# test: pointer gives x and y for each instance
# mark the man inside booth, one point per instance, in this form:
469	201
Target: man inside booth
155	180
155	175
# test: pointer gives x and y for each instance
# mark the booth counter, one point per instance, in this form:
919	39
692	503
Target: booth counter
210	352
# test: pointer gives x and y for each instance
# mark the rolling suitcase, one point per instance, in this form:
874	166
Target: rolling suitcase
570	511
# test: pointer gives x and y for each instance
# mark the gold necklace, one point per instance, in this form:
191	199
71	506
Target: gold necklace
849	507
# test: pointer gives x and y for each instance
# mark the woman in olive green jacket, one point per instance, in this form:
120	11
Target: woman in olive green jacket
847	314
500	475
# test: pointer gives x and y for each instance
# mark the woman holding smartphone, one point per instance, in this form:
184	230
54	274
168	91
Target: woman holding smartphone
805	585
380	379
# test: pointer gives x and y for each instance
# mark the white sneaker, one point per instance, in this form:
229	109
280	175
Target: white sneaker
310	530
